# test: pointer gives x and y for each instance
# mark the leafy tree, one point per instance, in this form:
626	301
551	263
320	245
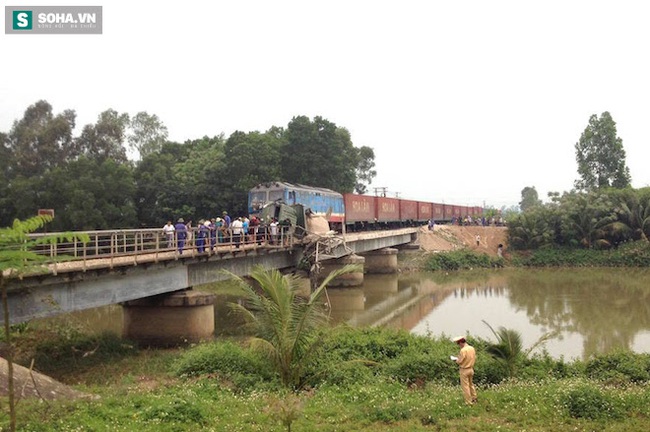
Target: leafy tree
148	133
156	188
105	139
529	198
250	159
365	171
24	196
319	153
288	327
41	140
89	194
6	162
201	184
600	156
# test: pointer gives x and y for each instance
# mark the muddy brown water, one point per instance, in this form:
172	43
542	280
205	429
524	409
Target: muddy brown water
586	311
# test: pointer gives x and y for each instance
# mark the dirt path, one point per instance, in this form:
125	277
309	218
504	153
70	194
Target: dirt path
448	237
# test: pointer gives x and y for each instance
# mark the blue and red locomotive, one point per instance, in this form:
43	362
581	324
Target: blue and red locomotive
356	211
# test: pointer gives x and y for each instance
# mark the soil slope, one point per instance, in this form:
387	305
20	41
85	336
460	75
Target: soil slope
448	237
31	384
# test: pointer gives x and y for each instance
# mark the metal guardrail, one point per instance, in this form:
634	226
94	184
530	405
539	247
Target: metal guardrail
133	246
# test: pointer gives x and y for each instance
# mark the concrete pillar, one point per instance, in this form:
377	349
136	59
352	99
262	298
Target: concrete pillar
346	280
170	319
381	261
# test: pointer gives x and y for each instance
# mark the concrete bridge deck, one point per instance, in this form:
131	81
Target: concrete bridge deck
133	269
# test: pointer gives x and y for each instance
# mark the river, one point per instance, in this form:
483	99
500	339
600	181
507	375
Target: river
580	312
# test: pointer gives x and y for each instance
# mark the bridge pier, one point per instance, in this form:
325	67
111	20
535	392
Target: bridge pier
170	319
346	280
381	261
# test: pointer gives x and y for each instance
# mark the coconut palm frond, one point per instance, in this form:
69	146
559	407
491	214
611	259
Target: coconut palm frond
508	349
287	326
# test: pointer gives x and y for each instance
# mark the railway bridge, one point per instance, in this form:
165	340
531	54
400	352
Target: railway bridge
135	268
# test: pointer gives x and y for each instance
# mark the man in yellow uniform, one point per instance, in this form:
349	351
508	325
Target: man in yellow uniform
466	360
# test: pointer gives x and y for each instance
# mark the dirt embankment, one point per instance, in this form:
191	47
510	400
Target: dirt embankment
451	237
31	384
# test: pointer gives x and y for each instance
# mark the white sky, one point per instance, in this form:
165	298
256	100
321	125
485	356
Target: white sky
465	102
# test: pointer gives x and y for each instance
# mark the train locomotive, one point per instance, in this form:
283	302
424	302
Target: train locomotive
357	212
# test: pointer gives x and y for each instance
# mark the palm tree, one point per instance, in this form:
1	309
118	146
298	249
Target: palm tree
529	230
508	349
287	326
635	216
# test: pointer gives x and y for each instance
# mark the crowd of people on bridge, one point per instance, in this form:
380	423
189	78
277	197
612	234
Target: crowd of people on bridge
210	233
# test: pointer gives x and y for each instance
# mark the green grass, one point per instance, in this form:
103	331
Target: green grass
365	380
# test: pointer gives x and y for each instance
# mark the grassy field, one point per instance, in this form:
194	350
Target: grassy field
364	380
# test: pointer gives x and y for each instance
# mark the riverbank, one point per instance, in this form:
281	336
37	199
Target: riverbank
479	239
404	383
464	248
453	240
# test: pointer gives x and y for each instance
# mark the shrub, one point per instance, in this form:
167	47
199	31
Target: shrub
177	411
371	344
414	367
541	366
630	254
620	367
341	374
589	402
244	367
461	260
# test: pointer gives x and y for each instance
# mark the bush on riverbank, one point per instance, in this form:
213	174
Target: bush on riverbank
631	254
462	259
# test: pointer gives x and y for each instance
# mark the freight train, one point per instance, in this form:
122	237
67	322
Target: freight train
357	212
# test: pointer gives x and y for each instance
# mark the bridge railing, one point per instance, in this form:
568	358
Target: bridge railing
151	244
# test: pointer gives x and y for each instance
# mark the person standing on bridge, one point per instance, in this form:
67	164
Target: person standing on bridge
168	231
181	234
202	235
237	228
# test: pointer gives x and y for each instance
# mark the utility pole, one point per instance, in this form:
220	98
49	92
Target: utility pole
380	191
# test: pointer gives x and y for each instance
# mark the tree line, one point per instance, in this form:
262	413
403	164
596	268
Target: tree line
601	211
91	183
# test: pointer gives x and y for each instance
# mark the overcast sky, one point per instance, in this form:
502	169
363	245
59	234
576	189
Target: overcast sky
465	102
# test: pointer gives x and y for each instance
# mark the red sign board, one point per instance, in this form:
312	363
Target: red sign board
49	212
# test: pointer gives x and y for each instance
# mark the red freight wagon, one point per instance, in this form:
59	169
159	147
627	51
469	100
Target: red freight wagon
438	211
359	208
425	211
408	210
387	209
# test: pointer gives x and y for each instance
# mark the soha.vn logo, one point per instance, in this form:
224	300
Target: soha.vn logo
22	20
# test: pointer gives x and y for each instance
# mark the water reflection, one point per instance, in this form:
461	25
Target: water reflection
592	311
